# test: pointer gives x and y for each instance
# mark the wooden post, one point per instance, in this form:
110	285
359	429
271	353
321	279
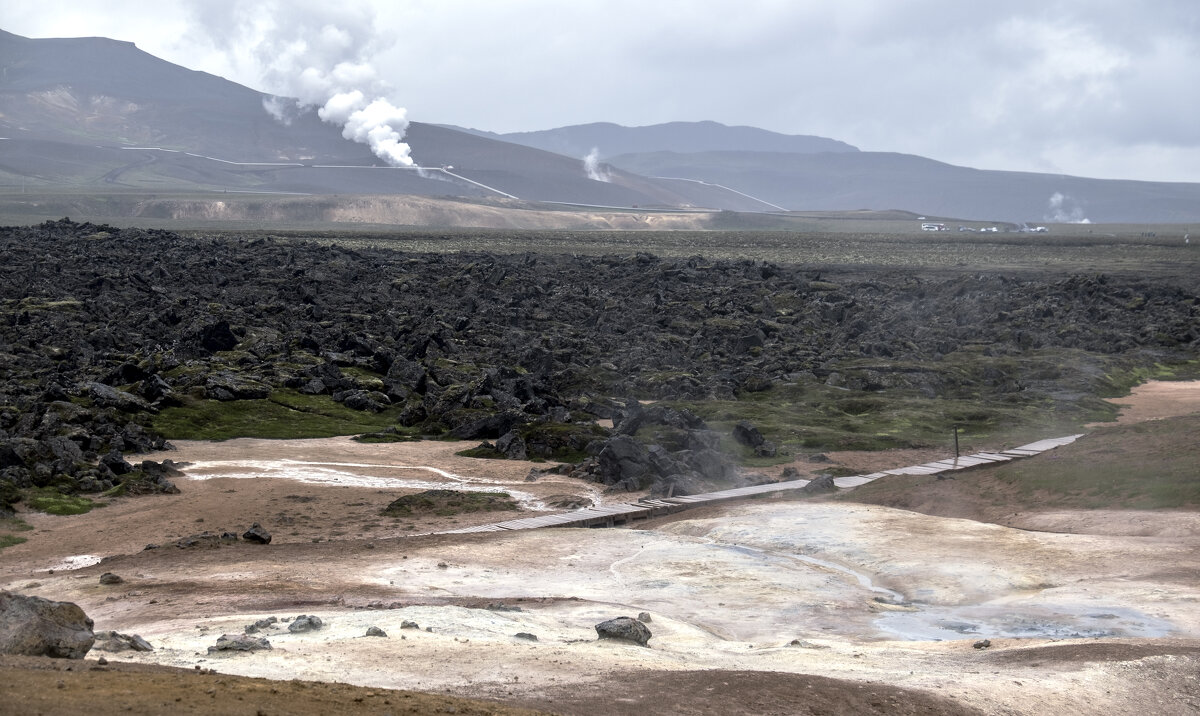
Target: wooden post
956	443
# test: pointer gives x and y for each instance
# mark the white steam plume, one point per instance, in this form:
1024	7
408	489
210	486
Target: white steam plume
1063	211
379	124
591	165
319	53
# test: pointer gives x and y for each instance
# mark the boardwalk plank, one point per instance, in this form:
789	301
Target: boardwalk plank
646	507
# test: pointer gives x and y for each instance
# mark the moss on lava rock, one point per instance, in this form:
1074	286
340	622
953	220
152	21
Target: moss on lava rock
449	502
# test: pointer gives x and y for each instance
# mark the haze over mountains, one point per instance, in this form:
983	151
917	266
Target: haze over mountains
88	114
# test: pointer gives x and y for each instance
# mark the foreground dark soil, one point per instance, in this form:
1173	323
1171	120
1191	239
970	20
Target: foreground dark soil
56	687
36	685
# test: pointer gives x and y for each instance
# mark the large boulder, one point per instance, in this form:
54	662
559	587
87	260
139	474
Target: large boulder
623	461
217	336
624	629
32	626
746	434
257	534
820	484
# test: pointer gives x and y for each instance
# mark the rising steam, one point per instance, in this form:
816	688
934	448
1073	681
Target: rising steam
1064	210
379	124
314	54
591	165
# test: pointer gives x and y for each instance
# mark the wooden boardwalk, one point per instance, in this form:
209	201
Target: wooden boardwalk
647	507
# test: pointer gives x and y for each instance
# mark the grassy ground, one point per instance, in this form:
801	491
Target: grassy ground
1146	466
804	419
9	527
51	501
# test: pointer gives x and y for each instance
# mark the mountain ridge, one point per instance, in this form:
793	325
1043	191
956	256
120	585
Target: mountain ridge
609	139
75	111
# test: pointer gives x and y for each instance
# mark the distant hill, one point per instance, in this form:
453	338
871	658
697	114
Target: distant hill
612	139
94	115
860	180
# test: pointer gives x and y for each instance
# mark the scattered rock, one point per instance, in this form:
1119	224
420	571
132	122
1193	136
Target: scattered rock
982	644
502	607
406	624
205	540
32	626
110	578
239	642
261	624
624	629
805	644
257	534
113	641
644	617
305	622
375	631
526	636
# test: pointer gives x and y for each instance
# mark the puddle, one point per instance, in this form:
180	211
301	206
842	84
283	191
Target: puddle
78	561
1020	621
330	473
321	473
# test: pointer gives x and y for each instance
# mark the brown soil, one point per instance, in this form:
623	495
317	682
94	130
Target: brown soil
734	693
54	687
1158	399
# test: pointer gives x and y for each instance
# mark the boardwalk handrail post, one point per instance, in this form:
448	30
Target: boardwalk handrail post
956	442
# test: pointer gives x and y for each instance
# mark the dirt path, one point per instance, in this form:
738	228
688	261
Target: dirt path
1158	399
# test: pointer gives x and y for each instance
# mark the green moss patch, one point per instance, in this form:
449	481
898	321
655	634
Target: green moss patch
10	540
444	503
286	414
483	451
813	418
51	501
10	525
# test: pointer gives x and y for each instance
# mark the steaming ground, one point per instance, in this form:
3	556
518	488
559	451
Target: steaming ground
1079	622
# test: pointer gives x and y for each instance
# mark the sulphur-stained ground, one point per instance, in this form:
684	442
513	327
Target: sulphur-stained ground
774	605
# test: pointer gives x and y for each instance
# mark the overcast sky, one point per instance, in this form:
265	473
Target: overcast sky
1099	88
